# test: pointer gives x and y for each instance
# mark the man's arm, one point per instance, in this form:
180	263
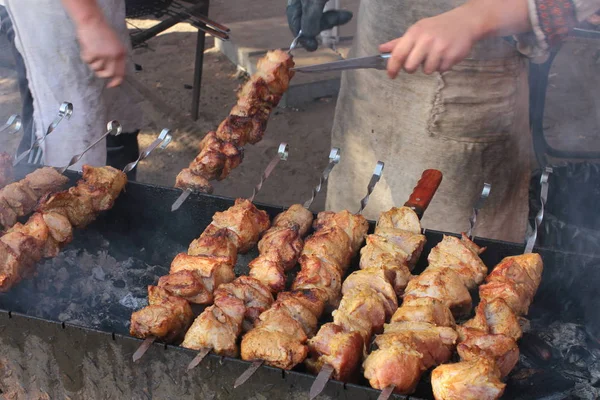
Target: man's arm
440	42
101	48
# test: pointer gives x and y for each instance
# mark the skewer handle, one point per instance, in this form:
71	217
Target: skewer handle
540	215
372	183
482	198
423	193
334	159
13	124
282	155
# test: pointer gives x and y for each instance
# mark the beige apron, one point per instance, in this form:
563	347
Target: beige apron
471	123
45	37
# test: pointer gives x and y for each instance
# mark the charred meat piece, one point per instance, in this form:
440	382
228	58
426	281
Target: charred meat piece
216	158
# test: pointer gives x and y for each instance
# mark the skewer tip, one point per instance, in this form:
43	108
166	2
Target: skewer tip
247	374
198	359
139	353
322	379
386	393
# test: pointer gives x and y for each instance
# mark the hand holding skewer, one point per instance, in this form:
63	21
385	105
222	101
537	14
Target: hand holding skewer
13	124
65	111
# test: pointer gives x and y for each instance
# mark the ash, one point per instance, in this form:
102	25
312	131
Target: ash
86	288
575	357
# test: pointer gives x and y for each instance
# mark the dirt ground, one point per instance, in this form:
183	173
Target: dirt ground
167	62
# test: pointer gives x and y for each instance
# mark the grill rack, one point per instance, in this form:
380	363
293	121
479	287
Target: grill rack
93	362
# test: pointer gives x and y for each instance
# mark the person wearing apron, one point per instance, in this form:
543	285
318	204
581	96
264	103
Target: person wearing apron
75	51
466	114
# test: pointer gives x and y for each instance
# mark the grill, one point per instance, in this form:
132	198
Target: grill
65	332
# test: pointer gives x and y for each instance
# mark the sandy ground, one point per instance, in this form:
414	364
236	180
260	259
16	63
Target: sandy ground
167	61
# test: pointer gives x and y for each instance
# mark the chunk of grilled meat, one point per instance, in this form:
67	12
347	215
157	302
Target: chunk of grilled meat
515	280
424	309
20	198
296	215
244	220
187	180
499	348
496	318
6	169
166	316
280	336
51	228
478	379
236	307
221	151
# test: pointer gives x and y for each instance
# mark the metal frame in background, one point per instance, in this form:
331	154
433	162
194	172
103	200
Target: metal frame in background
178	13
538	85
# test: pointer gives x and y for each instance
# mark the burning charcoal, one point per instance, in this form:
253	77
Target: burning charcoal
62	274
119	283
98	273
579	356
533	346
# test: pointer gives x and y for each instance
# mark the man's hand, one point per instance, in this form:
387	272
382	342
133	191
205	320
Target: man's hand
308	16
103	51
438	43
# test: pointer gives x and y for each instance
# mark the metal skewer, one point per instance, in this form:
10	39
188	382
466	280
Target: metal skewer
282	154
326	370
13	121
540	215
482	198
163	140
334	159
295	42
113	128
65	111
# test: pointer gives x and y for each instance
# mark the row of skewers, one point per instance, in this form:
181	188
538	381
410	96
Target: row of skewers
55	213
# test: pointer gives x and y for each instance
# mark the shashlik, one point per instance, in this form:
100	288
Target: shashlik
238	304
19	198
280	333
51	227
195	276
421	333
6	169
369	294
488	348
222	151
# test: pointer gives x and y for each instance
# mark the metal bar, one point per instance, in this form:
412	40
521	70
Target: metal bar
540	215
199	64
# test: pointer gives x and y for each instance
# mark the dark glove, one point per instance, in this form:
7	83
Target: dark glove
308	15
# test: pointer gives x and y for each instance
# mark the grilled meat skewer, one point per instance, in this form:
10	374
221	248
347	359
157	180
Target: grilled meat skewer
50	227
222	151
421	333
238	304
488	347
20	198
195	276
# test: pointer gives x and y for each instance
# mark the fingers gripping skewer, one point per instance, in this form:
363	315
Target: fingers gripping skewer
482	198
65	111
12	125
113	128
334	159
163	140
372	183
282	155
540	215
